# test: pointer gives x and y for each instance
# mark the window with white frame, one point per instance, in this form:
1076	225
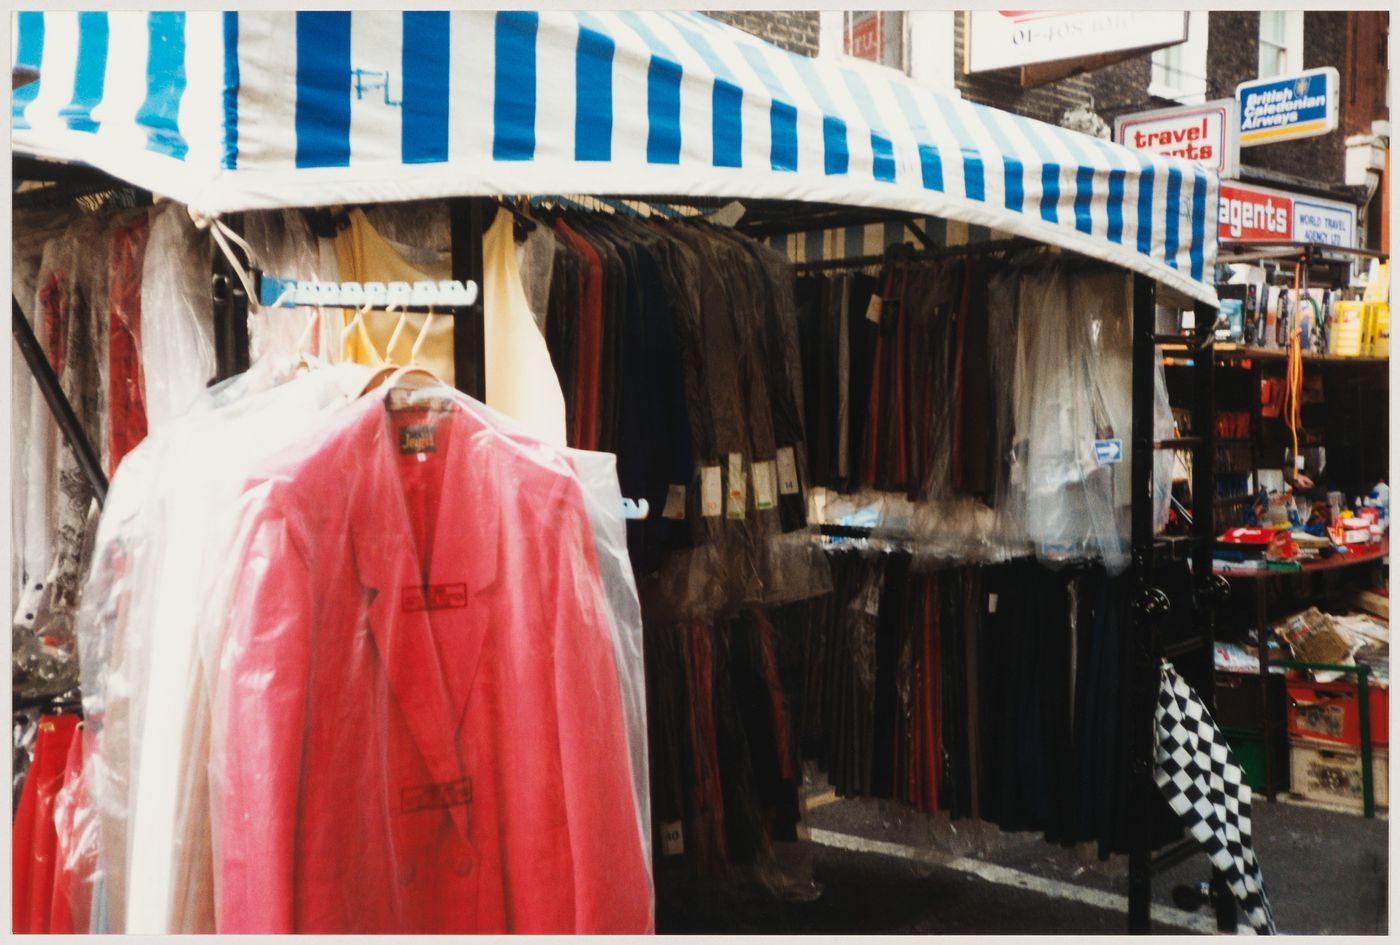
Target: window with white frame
918	43
1280	42
1179	71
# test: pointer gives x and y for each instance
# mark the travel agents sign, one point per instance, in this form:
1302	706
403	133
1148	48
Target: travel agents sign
1250	214
1203	133
1288	107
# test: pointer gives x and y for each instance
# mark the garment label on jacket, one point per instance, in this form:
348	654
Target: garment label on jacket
675	503
417	438
711	492
434	597
672	839
787	471
875	308
432	796
737	496
765	485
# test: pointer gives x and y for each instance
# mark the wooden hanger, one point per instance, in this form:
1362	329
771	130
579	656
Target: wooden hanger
393	375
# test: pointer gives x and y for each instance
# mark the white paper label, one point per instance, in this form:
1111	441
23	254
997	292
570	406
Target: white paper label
711	492
672	839
872	599
765	485
991	603
675	503
873	310
787	471
737	495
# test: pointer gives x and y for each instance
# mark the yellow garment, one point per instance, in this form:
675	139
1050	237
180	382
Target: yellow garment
362	255
520	378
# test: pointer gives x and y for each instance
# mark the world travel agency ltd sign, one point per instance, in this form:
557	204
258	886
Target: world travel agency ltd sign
1287	107
1202	133
1250	214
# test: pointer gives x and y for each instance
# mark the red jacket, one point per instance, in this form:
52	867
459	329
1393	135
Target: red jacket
391	757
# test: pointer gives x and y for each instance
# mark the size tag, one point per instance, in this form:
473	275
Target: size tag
765	485
873	310
672	839
417	438
675	503
991	603
711	492
787	471
737	496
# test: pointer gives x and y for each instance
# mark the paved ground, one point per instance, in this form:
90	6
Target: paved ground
884	869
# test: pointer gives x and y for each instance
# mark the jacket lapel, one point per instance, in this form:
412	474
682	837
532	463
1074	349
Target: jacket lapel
403	628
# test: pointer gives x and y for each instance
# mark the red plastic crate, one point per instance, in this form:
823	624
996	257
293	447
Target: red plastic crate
1330	712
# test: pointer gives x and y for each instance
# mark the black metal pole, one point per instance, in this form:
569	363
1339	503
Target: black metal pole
468	217
58	403
230	301
1142	676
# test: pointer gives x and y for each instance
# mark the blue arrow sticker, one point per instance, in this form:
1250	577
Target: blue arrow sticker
1109	451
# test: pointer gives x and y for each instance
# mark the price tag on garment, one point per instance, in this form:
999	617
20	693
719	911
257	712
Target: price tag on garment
737	496
765	485
675	503
711	492
873	310
672	839
991	603
871	600
787	471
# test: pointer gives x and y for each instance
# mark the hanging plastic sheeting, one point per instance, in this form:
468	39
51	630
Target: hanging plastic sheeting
177	345
199	798
284	244
256	109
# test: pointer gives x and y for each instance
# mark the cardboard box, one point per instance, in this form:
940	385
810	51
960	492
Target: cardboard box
1313	638
1331	712
1331	775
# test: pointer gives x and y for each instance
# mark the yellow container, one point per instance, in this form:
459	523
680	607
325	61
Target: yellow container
1347	318
1378	344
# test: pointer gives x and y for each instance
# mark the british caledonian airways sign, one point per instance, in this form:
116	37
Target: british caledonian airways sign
1205	133
1250	214
1288	107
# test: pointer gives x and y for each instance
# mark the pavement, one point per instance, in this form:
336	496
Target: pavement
877	867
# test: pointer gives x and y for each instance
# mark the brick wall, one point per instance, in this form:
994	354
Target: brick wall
1364	73
796	31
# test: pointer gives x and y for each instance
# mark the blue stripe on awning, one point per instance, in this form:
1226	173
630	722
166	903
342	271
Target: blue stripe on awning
593	91
1115	205
514	138
1013	169
1049	173
838	157
1146	180
30	54
165	84
782	114
231	83
91	74
883	167
1198	227
663	96
1083	178
930	162
974	182
427	60
1173	244
726	103
323	89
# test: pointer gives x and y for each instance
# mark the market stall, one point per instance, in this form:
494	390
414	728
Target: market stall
244	112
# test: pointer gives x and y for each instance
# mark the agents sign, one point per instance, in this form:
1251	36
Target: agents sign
1205	133
1250	214
999	39
1288	107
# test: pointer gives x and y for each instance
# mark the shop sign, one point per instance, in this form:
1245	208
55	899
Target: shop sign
863	40
1251	214
1207	134
999	39
1287	107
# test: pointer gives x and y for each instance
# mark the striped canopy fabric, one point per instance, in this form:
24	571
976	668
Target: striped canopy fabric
244	110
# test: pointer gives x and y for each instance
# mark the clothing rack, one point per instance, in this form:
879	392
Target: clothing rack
904	253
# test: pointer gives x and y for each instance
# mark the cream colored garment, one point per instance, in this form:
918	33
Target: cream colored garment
362	255
520	378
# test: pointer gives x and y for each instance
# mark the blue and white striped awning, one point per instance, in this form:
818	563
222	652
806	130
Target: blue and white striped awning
243	110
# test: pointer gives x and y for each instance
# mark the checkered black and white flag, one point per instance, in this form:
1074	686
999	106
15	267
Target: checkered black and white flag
1203	784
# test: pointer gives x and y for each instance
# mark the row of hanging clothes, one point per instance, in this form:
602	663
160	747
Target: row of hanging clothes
977	404
404	636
